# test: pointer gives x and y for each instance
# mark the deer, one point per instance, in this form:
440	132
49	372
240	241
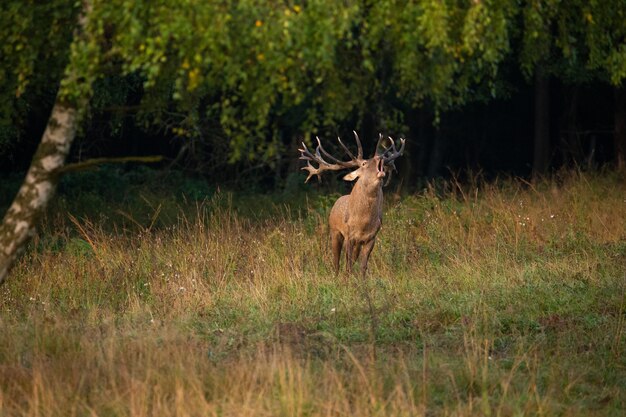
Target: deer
356	218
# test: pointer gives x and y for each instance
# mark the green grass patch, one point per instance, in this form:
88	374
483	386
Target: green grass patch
501	300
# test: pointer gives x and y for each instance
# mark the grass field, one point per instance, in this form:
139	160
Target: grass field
500	299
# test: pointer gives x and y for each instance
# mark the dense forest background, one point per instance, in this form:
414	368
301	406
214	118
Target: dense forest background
227	90
491	138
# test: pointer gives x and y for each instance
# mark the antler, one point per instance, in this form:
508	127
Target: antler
391	153
323	165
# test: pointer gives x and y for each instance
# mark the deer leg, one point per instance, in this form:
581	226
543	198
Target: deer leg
365	256
356	251
337	244
349	248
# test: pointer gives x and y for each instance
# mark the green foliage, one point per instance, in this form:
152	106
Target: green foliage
33	33
253	60
256	68
575	40
35	37
606	37
440	51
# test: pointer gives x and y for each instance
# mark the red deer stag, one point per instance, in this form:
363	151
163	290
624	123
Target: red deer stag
355	219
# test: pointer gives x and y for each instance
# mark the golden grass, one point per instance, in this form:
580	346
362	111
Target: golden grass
502	299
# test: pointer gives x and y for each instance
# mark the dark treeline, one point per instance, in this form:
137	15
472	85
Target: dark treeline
491	138
228	90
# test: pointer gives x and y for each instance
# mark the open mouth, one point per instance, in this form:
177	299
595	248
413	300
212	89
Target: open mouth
381	168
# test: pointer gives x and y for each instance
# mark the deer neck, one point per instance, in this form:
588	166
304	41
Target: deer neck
367	200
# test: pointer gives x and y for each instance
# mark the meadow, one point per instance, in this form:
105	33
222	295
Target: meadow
499	298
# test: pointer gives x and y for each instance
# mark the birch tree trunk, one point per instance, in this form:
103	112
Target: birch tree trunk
39	185
43	175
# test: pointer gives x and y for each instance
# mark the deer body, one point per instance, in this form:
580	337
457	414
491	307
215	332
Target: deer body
355	219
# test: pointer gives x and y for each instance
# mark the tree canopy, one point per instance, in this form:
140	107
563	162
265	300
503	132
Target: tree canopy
252	69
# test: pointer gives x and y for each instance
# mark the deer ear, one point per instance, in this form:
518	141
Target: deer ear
352	176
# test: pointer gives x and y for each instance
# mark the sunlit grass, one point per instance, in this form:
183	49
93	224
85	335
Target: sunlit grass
500	299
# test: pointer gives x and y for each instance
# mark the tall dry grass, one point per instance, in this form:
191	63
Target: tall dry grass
493	299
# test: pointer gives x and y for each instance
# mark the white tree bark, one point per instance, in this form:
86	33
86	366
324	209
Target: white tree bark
41	180
39	185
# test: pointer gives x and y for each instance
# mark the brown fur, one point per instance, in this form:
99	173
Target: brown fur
355	219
